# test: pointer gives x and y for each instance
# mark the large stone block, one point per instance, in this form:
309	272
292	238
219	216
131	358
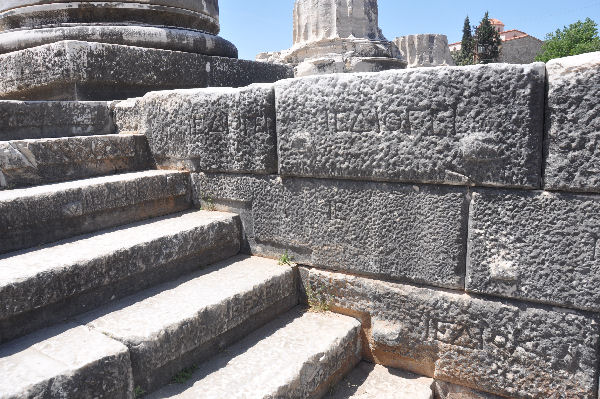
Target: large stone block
573	124
99	71
478	125
40	119
505	348
411	233
538	246
425	50
216	129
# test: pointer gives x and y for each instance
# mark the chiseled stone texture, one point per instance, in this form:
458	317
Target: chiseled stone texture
43	161
502	347
36	119
479	125
373	381
573	124
66	361
539	246
171	326
212	129
446	390
37	215
98	71
410	233
298	355
45	284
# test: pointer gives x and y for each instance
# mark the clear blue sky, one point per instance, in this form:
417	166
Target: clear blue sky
255	26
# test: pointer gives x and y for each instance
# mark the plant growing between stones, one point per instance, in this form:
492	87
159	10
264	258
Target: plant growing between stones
286	259
317	301
138	392
184	375
208	205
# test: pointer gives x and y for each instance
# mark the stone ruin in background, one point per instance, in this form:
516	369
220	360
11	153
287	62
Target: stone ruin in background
85	50
332	36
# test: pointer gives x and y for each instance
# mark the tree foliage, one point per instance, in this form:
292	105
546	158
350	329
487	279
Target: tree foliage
487	40
577	38
465	56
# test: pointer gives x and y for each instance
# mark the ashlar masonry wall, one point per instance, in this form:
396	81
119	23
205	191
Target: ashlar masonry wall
454	211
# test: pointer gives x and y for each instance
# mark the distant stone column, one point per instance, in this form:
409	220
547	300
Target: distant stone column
425	50
102	50
337	36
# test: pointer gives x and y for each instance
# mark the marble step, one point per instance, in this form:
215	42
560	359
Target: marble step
176	325
47	284
298	355
65	361
42	214
371	381
33	162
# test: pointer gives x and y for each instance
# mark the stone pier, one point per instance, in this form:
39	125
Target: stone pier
84	50
337	36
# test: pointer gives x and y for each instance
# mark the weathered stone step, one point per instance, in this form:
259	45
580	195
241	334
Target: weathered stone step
173	326
299	355
41	161
371	381
47	284
43	214
66	361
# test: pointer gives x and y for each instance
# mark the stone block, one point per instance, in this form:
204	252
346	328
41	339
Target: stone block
479	125
35	119
42	161
54	282
298	355
66	361
425	50
538	246
505	348
98	71
410	233
37	215
171	326
213	129
573	124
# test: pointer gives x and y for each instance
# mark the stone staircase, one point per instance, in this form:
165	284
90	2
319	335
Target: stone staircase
112	283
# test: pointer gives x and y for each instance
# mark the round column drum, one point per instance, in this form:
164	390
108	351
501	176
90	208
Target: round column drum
202	15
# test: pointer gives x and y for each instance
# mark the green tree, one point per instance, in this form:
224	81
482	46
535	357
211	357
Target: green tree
577	38
467	46
488	42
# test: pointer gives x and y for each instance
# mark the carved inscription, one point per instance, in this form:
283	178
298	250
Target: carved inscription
407	120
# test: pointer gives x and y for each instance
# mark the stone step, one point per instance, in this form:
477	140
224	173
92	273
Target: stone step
42	161
176	325
66	361
371	381
45	285
298	355
42	214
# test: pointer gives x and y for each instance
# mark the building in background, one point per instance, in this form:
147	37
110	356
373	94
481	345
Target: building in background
518	47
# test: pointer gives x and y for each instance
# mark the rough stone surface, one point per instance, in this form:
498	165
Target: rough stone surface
477	125
168	327
520	50
44	284
214	129
538	246
67	361
573	124
371	381
145	12
505	348
76	70
446	390
296	356
34	162
425	50
35	119
157	37
413	233
42	214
